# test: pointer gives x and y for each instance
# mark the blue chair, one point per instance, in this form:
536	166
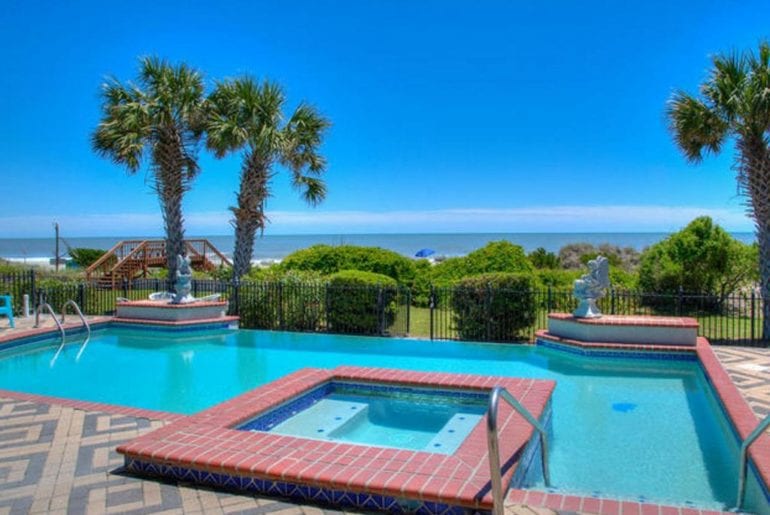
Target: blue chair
6	308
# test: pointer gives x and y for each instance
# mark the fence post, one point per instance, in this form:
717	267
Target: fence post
548	301
194	287
380	311
753	338
432	306
612	301
408	308
32	286
236	297
679	301
125	287
81	296
487	303
279	295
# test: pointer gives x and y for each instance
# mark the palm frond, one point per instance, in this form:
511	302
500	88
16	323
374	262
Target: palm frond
696	127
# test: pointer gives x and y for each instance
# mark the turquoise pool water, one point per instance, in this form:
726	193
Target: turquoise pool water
404	418
630	428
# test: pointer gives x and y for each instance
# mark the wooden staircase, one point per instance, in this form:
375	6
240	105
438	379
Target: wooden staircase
134	258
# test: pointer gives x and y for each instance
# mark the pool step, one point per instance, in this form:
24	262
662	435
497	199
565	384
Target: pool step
322	419
449	437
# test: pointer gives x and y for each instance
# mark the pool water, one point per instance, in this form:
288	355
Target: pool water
406	418
631	428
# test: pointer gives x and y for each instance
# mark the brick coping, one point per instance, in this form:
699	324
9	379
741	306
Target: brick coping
206	441
21	334
630	320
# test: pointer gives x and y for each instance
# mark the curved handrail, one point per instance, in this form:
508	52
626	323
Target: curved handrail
82	319
48	307
761	427
495	395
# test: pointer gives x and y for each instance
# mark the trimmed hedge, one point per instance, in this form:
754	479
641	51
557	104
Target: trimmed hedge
329	260
493	307
361	302
293	302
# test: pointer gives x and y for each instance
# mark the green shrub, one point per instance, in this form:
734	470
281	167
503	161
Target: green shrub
494	307
361	302
498	256
542	259
84	257
701	258
420	287
328	260
293	301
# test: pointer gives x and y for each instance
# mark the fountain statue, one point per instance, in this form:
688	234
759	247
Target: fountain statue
182	286
591	287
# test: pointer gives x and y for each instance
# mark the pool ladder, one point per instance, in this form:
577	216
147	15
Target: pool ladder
761	428
498	493
60	325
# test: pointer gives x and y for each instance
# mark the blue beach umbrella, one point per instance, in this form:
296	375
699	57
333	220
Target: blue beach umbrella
424	252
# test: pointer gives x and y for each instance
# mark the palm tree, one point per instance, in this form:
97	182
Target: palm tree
734	104
159	118
247	115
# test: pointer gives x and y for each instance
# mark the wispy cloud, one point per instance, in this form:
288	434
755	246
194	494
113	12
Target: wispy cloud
574	218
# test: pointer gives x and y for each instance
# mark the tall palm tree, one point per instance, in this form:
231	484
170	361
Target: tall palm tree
734	104
159	118
248	116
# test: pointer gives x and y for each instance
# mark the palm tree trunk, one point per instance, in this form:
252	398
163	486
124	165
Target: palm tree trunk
754	178
170	185
249	214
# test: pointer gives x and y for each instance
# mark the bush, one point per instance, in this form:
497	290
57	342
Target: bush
84	257
542	259
328	260
702	258
293	301
496	256
494	307
361	302
575	256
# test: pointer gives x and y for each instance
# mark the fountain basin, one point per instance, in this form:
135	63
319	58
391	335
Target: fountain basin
162	310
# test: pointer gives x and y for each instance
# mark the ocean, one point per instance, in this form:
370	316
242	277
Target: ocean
276	247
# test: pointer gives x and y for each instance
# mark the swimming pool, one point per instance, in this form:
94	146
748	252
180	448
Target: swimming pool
630	428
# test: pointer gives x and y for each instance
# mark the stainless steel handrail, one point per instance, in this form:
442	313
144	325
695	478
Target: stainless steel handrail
82	319
493	447
761	428
47	306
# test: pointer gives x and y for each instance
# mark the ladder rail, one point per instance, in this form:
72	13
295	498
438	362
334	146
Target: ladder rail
498	493
758	431
82	319
46	306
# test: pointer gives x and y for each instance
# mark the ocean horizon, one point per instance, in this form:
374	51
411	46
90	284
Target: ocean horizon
276	247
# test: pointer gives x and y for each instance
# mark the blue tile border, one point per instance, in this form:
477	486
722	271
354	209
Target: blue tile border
612	353
267	420
295	491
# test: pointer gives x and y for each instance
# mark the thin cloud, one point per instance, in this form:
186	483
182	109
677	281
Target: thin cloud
620	218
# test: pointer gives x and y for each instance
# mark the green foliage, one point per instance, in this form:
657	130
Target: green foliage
421	283
556	279
542	259
291	301
85	257
495	256
493	307
361	302
328	259
701	258
498	256
575	256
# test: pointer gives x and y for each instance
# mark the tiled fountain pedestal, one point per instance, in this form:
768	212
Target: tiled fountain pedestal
624	329
155	312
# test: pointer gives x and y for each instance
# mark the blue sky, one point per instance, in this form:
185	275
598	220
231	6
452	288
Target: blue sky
448	116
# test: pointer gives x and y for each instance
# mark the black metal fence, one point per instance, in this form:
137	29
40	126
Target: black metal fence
319	307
